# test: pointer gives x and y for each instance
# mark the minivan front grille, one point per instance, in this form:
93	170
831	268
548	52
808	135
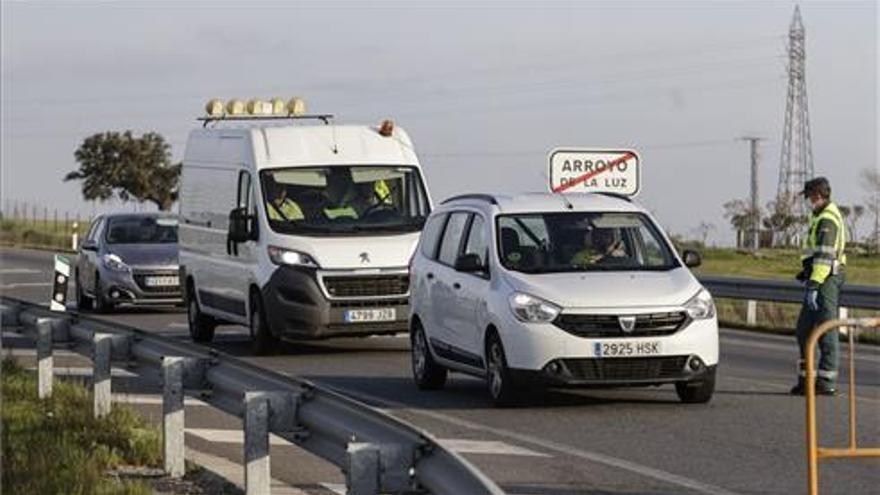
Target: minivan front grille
623	369
608	326
367	285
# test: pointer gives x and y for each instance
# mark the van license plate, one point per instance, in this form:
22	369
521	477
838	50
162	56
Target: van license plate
625	349
161	281
370	315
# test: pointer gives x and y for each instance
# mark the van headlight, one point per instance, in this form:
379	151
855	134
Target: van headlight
701	306
114	262
531	309
281	256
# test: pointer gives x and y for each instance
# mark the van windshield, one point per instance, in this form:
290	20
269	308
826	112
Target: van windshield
343	199
579	241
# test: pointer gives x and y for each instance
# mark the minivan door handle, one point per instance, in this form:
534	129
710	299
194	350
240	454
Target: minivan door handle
430	276
456	285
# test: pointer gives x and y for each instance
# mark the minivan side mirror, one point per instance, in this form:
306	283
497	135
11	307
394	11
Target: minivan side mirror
469	263
89	245
692	259
240	229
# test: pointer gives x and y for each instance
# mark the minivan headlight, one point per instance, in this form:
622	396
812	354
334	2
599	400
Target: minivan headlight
281	256
114	262
701	306
531	309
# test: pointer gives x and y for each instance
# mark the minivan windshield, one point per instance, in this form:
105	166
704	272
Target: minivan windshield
343	199
580	241
140	229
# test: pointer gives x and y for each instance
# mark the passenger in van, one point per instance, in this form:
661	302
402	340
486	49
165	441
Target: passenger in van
600	246
280	207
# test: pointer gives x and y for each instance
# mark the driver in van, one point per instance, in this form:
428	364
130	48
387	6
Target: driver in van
280	207
599	246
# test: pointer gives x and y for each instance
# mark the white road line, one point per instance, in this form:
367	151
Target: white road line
19	352
463	446
790	347
234	473
231	436
616	462
26	284
337	488
16	271
153	400
80	371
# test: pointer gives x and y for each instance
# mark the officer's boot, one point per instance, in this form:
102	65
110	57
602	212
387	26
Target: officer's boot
799	387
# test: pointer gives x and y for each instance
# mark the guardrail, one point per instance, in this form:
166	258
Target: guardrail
814	452
852	296
377	452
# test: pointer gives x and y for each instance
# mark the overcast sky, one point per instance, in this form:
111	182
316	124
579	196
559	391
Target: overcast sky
484	89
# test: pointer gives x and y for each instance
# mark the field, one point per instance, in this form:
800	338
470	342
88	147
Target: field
40	234
780	264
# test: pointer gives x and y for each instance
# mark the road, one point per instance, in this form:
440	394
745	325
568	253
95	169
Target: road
749	439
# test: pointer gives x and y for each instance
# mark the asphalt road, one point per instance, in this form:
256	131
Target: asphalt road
749	439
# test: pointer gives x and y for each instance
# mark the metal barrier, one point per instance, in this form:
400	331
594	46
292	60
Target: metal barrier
814	452
377	452
852	296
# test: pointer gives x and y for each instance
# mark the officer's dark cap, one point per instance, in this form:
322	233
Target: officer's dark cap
819	185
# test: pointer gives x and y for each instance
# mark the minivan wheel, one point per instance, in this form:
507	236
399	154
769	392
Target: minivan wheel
697	392
427	374
264	341
502	388
83	302
201	326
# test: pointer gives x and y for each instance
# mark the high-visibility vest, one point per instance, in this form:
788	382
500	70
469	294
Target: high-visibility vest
383	192
287	211
830	250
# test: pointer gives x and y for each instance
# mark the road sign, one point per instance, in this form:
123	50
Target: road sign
595	170
59	285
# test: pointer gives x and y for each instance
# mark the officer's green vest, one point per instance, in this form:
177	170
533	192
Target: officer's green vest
824	256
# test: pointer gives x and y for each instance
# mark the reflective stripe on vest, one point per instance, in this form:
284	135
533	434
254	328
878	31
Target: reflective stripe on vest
825	256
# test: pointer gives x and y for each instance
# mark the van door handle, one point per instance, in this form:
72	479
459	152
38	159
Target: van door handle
456	285
430	276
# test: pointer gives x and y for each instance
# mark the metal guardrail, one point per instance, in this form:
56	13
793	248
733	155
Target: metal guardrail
814	452
852	296
377	452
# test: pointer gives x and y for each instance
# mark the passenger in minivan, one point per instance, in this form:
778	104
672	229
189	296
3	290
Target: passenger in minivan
280	207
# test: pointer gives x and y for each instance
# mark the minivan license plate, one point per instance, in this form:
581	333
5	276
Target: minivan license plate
625	349
370	315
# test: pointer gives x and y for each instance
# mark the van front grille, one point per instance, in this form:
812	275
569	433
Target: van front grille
367	285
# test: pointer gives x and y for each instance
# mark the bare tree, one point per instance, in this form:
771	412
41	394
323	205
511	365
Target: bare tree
703	231
871	184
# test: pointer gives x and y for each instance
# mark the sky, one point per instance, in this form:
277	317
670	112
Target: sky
485	89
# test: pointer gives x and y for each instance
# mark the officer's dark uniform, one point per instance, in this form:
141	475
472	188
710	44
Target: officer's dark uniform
823	260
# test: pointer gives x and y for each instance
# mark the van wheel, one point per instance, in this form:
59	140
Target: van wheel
102	305
502	388
265	342
83	302
697	392
201	326
427	374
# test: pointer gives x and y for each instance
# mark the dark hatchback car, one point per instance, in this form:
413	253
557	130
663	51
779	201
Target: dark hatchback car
128	258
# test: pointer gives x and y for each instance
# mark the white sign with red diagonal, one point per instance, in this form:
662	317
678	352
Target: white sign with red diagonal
591	170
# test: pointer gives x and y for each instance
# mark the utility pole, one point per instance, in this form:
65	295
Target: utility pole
753	191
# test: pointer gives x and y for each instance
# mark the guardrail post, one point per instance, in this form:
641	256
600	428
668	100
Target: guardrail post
44	358
173	416
102	349
752	313
257	474
362	471
9	315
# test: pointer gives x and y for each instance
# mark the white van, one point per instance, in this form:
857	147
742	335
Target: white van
300	230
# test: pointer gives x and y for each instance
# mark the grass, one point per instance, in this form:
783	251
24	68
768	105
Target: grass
55	446
781	264
39	234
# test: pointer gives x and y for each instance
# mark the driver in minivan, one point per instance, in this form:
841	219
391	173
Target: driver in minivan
600	247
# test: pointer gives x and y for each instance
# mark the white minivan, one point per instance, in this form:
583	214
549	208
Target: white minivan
299	229
558	290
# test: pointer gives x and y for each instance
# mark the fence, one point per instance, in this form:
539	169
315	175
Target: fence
377	453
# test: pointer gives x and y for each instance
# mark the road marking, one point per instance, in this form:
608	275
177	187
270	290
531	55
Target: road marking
234	473
153	400
616	462
26	284
463	446
79	371
16	271
784	387
231	436
337	488
791	347
19	352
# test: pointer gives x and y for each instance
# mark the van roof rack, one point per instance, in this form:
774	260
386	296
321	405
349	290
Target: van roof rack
323	117
475	196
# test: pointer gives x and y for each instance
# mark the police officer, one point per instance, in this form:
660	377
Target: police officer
823	260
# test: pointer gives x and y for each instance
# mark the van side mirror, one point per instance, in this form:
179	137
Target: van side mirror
692	259
469	263
89	245
241	226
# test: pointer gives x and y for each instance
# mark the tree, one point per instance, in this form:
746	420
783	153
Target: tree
852	215
871	185
741	215
127	167
702	231
781	222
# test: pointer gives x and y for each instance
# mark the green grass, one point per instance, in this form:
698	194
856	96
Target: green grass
39	234
781	264
55	446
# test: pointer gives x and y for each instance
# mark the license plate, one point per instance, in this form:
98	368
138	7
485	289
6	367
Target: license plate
370	315
626	349
161	281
